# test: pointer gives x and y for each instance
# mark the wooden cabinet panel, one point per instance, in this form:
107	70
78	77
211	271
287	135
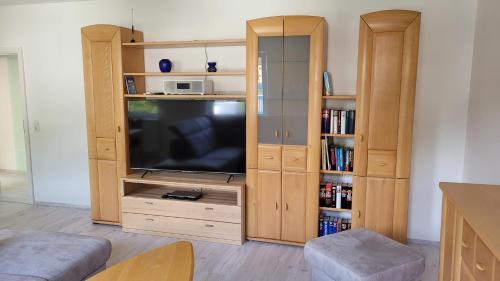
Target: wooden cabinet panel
468	244
293	206
102	89
294	158
358	201
108	191
381	163
95	212
269	157
465	274
483	262
269	205
251	203
386	90
447	240
497	271
400	221
380	205
106	149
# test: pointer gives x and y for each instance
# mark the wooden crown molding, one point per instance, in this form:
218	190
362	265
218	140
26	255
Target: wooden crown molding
390	20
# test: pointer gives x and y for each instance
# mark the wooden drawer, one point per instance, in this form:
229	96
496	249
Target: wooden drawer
381	163
465	274
182	209
192	227
106	149
269	157
483	262
294	158
468	240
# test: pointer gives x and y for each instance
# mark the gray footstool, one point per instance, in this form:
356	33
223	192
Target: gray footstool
362	255
43	256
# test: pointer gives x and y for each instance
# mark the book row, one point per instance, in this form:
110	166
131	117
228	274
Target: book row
335	195
338	121
331	225
335	157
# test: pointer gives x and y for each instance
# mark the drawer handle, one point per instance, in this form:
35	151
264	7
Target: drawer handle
209	225
465	245
268	157
107	149
382	164
295	159
276	205
209	209
286	206
150	219
148	203
480	267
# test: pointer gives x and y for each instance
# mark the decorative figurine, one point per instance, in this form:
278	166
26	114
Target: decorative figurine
165	65
211	67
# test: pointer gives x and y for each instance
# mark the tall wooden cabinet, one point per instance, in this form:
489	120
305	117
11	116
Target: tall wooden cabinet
104	63
387	70
285	62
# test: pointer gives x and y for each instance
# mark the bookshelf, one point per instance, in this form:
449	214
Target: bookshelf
327	214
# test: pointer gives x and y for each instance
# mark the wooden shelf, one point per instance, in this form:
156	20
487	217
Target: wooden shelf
336	172
187	43
340	97
200	73
338	135
188	97
334	209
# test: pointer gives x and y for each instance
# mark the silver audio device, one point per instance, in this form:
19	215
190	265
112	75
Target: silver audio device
194	87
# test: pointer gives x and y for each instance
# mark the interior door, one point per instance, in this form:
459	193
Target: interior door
270	90
295	89
293	221
269	204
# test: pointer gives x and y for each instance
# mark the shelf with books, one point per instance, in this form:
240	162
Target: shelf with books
338	135
328	209
334	172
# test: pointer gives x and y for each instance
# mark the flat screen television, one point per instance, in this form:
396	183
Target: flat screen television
187	135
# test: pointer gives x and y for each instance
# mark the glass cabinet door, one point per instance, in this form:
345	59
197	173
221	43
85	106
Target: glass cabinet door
295	89
270	90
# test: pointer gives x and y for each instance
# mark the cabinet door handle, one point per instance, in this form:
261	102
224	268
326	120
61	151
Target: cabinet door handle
148	203
150	219
209	209
480	267
286	206
276	133
209	225
359	214
119	129
276	205
465	244
382	164
287	134
268	157
362	137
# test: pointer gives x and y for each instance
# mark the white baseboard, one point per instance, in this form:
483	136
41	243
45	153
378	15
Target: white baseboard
423	242
52	204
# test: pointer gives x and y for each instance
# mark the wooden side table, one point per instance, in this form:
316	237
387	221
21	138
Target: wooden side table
174	262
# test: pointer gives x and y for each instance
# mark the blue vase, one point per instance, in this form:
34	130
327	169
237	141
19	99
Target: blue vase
165	65
211	67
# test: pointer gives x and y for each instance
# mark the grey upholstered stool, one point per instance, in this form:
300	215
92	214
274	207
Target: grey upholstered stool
362	255
43	256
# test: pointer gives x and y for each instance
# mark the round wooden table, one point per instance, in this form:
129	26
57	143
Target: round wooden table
174	262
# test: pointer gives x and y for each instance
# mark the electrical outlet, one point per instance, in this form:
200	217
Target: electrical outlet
37	126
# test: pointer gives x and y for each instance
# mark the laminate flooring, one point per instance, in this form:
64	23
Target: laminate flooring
14	187
254	261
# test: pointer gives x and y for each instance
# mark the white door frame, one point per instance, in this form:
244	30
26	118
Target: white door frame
18	52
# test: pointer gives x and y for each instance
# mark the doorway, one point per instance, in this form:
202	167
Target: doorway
15	159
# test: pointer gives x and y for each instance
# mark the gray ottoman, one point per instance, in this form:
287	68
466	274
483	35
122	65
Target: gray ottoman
362	255
43	256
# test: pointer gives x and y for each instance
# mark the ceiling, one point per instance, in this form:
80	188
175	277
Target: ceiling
23	2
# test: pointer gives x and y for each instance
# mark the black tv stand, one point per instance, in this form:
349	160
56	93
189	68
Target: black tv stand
145	173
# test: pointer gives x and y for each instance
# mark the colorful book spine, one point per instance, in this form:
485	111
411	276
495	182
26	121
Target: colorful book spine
338	196
342	121
335	122
325	121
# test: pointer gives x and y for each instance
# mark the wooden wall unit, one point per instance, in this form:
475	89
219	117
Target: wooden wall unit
470	233
282	161
387	68
104	63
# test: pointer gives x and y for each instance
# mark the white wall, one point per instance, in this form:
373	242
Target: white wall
482	155
50	36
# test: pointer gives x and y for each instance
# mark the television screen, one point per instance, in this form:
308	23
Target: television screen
187	135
